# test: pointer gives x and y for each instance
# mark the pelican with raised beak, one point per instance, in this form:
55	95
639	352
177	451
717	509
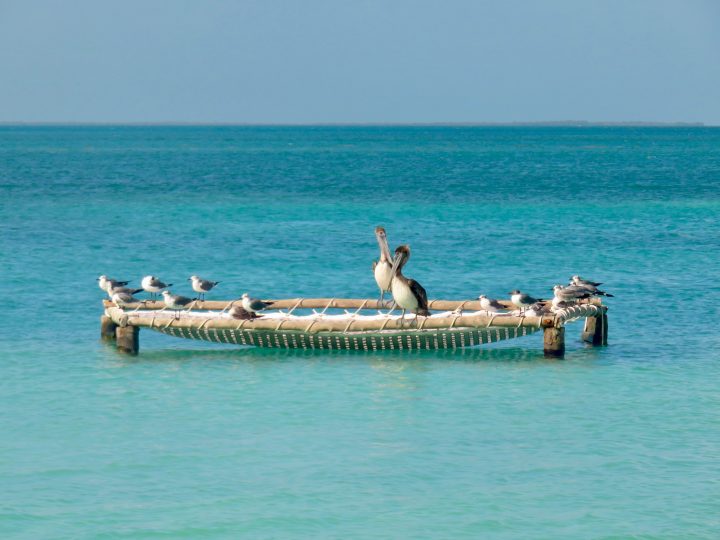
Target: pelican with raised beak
383	268
408	294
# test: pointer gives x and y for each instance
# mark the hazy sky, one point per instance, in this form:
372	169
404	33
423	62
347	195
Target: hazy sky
359	60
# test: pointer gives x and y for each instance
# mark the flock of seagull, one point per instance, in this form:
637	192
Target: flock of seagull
407	294
123	295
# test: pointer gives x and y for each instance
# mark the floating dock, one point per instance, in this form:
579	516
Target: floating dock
351	324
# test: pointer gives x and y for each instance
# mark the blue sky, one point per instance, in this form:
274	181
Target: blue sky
359	61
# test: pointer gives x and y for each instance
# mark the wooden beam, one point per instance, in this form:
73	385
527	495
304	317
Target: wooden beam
107	328
128	339
554	342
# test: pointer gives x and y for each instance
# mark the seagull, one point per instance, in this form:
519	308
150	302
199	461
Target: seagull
175	301
558	304
253	305
123	290
105	283
571	293
202	286
490	304
239	312
153	285
577	280
122	298
407	293
537	310
522	300
382	269
590	286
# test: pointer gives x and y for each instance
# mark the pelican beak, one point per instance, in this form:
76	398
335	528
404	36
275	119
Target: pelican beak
396	263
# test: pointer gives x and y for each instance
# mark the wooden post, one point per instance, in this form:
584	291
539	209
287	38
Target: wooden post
554	342
595	330
107	328
128	339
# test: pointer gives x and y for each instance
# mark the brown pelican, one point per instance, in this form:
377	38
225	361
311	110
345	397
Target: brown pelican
408	294
383	268
202	286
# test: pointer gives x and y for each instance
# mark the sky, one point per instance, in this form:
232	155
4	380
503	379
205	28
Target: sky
359	61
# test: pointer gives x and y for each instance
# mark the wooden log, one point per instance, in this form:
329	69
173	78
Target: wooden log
332	325
329	303
107	328
595	330
128	339
554	342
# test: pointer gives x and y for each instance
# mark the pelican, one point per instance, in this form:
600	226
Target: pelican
408	294
383	268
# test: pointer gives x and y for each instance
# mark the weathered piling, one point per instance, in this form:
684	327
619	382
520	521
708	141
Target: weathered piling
128	339
107	328
595	330
554	341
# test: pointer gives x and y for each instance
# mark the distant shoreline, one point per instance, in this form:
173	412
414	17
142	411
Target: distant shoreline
560	123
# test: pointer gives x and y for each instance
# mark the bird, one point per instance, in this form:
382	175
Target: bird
153	285
105	283
253	305
202	286
571	293
382	269
175	301
124	290
122	298
490	304
577	280
408	294
590	286
538	309
522	300
239	312
557	303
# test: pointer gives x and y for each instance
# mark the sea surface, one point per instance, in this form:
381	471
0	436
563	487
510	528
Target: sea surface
198	440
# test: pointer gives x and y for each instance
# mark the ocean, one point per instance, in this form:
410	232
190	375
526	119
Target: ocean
197	440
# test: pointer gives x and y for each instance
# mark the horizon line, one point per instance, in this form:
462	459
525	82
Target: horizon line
541	123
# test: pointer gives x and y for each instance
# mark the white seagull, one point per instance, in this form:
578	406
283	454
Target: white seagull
153	285
253	305
202	286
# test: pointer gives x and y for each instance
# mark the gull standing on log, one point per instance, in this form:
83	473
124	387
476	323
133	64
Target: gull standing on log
202	286
153	285
124	290
571	293
408	294
121	298
490	304
590	286
253	305
105	283
175	301
522	300
382	269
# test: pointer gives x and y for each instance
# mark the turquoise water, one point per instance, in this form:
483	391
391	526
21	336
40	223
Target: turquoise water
195	440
